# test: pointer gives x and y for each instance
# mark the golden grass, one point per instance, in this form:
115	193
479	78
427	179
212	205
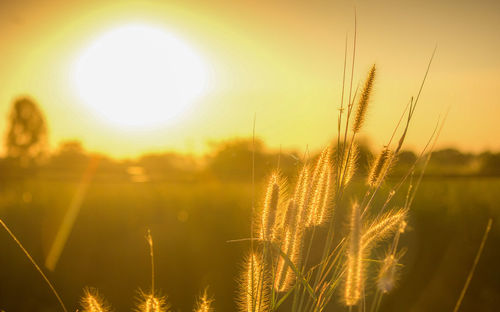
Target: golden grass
92	302
348	168
152	303
383	226
388	274
270	223
279	268
318	190
364	100
379	166
322	191
204	303
254	285
354	276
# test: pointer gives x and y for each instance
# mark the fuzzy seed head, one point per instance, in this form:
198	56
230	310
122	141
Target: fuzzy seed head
281	283
255	290
152	303
302	194
204	303
290	216
323	159
354	271
383	226
364	101
379	167
292	247
269	222
402	226
319	207
388	274
91	302
349	162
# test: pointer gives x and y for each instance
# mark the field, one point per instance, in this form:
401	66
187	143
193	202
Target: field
191	223
249	156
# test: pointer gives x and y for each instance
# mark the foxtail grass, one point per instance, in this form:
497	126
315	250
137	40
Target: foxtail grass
379	166
92	302
364	100
204	303
354	275
291	223
151	303
254	286
281	272
270	219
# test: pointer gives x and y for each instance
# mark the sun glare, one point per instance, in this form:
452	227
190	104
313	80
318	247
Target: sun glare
139	76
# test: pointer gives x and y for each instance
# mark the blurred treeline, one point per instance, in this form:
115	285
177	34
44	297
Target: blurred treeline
28	155
195	204
227	161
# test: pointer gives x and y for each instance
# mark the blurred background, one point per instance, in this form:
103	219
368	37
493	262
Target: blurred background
194	205
119	117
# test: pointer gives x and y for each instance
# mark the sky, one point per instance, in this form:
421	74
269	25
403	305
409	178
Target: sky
280	61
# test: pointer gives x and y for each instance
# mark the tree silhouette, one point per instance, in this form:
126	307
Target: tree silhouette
27	133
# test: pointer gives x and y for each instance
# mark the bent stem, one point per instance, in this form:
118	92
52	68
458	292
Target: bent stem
61	303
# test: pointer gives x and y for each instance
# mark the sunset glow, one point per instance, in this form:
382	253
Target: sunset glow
249	156
139	76
202	70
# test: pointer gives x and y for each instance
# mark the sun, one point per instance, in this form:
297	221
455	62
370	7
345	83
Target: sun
139	76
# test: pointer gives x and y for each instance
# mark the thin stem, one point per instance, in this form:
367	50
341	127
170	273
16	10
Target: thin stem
149	238
341	110
35	265
253	205
353	55
476	260
253	181
306	259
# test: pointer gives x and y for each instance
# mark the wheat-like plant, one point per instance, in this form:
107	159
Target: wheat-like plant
354	275
383	226
204	303
151	303
289	223
364	100
279	270
92	302
388	274
254	285
269	221
379	166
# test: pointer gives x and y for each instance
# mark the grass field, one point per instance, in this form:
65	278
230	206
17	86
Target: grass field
191	224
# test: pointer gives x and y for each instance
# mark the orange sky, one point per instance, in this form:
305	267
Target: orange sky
279	59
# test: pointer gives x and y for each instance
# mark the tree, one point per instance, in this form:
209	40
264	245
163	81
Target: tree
232	160
69	156
489	163
27	132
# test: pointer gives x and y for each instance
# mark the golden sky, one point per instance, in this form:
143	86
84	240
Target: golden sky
279	59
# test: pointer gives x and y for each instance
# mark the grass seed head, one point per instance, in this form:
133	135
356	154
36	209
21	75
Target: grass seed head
269	221
379	167
388	275
302	196
255	286
348	163
320	202
364	101
92	302
354	272
292	247
152	303
204	303
388	223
